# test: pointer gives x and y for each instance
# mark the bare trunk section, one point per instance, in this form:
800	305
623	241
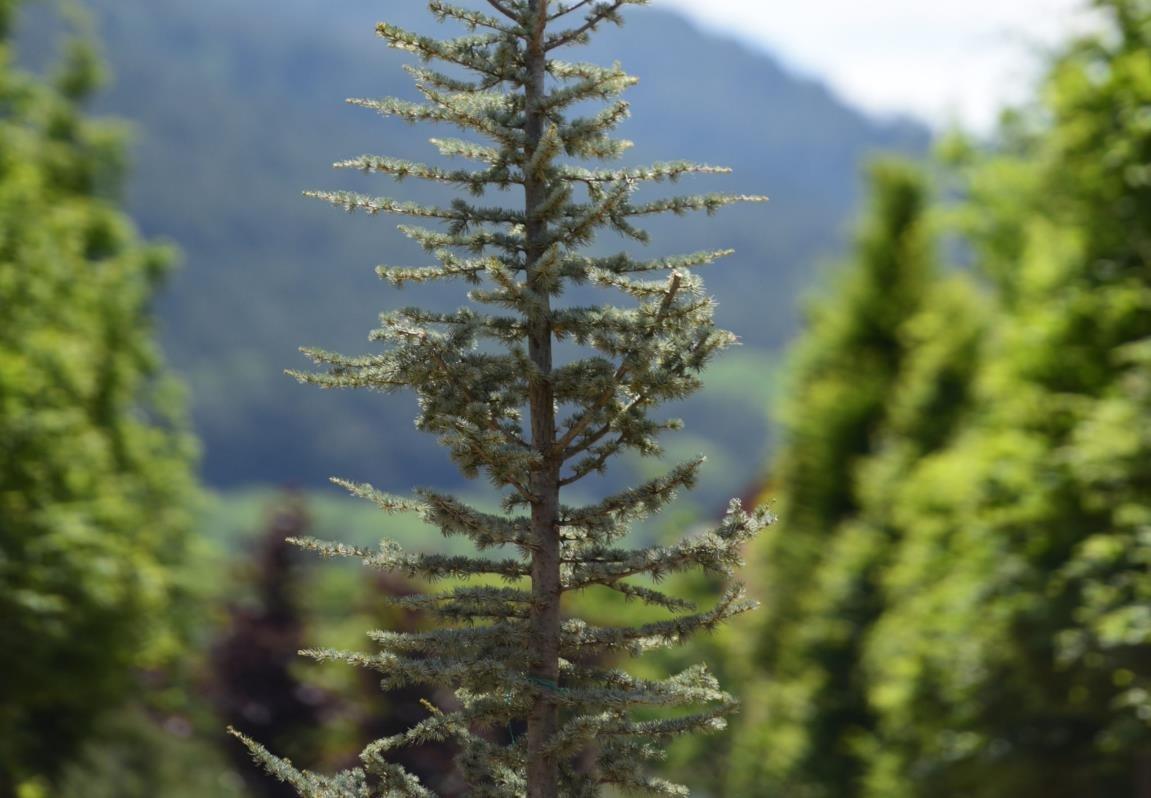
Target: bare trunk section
1143	774
543	718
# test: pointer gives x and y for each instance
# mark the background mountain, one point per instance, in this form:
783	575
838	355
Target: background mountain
237	108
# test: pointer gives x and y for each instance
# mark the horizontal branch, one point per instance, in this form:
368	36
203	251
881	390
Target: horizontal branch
399	276
458	148
476	241
449	515
587	728
709	203
581	639
651	597
716	551
469	603
460	212
634	503
503	641
499	176
470	17
657	173
470	116
454	672
472	52
390	557
579	268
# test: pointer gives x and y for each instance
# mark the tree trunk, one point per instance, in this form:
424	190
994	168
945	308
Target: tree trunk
1143	774
543	718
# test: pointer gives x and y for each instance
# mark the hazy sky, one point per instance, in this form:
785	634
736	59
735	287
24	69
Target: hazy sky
940	60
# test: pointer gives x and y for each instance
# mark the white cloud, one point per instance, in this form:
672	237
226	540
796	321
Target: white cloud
941	60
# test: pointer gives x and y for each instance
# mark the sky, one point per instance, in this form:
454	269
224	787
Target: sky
942	61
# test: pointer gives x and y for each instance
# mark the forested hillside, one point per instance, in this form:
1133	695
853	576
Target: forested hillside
238	108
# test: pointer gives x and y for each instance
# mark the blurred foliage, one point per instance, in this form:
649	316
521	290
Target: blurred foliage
957	597
1008	664
253	682
877	381
95	461
137	754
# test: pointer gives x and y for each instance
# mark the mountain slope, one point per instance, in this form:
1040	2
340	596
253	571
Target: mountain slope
238	108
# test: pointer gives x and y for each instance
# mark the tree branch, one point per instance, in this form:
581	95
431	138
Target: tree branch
585	420
599	460
592	21
499	6
493	424
567	11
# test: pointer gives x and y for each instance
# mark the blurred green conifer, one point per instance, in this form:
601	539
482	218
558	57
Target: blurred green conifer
1016	658
969	613
867	372
95	460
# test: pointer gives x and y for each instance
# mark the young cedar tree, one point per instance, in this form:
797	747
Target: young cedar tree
490	387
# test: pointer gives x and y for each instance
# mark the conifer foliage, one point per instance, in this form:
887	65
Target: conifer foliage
96	474
977	617
492	388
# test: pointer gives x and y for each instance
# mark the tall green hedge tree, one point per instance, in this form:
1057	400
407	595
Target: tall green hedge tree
95	462
535	419
1015	659
872	385
1000	529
